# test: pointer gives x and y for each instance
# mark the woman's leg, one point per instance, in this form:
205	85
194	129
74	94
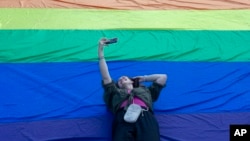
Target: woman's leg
147	128
122	131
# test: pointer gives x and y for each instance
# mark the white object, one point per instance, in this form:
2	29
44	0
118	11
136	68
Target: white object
132	113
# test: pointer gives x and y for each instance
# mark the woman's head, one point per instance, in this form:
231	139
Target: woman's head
123	81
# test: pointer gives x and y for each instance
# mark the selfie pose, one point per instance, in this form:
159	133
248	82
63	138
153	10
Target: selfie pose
130	102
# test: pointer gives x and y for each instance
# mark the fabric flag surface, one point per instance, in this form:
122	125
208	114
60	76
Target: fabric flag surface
50	84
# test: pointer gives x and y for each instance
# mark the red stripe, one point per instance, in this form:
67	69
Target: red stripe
135	5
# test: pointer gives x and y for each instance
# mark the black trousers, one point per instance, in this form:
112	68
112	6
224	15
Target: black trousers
146	128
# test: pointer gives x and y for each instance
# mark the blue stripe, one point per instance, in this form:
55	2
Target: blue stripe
69	90
173	127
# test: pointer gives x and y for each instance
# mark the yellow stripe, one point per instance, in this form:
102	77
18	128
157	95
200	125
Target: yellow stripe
124	19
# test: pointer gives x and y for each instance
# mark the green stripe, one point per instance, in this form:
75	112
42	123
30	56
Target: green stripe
124	19
166	45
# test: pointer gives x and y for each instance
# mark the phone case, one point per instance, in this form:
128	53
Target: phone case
111	41
136	82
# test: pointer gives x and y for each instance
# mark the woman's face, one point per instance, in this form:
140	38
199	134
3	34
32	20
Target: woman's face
124	80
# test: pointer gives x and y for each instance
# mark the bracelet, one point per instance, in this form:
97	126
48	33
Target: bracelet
102	57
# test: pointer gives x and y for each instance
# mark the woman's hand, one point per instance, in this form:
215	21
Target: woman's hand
158	78
141	78
100	48
102	43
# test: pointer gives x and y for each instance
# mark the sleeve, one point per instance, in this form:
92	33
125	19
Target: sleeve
155	90
110	90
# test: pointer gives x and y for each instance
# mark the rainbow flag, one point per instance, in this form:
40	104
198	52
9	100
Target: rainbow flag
50	85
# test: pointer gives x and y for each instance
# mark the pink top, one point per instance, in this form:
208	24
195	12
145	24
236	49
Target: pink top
136	101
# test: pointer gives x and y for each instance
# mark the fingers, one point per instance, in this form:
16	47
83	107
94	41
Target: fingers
141	78
102	41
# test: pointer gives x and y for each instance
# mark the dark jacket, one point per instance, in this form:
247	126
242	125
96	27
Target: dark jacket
114	96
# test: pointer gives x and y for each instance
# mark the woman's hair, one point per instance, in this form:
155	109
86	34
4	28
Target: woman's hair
136	82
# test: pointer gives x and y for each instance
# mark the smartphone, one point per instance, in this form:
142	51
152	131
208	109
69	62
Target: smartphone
136	82
111	41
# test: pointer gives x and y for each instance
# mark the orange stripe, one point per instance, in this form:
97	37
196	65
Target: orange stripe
130	5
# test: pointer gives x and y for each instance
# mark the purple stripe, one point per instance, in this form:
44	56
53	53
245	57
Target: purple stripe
89	129
199	127
173	127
